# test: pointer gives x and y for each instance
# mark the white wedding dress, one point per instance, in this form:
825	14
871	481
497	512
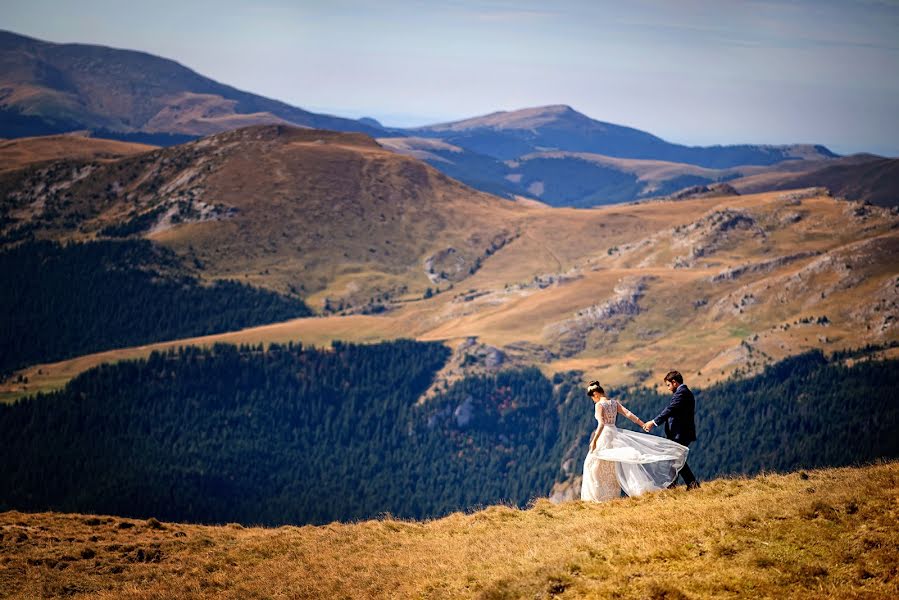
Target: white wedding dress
629	461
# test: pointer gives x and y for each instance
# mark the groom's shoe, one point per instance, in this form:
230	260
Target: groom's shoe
693	485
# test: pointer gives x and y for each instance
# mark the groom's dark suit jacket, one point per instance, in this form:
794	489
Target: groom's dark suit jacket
678	416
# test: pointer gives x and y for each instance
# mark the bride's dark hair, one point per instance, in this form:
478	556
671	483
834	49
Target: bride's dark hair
594	386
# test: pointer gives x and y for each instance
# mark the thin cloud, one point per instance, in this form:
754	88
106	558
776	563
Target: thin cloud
510	16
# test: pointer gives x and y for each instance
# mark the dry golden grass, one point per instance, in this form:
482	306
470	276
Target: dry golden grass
17	153
822	534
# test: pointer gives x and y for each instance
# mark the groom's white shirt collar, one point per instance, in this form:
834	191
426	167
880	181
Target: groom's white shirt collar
679	387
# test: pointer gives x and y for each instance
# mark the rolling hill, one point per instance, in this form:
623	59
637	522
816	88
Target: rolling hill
383	246
17	153
287	208
48	88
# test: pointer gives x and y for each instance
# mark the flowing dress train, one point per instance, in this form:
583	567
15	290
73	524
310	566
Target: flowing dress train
626	460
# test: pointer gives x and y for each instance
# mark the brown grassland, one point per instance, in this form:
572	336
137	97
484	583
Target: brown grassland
15	154
823	534
769	266
714	286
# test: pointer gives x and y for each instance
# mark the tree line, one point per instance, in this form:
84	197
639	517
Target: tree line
293	434
60	301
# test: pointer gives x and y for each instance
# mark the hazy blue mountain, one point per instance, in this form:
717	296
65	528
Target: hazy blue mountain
565	158
508	135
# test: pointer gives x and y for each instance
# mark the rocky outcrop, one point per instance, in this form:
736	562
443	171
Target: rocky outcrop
704	191
761	267
610	316
715	231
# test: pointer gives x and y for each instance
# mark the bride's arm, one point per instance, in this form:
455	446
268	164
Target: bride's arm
629	415
595	437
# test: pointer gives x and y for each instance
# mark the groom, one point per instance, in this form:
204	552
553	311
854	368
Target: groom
678	420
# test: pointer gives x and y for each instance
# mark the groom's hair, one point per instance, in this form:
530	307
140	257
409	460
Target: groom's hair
674	376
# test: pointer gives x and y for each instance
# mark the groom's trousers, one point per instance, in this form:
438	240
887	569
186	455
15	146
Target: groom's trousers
687	475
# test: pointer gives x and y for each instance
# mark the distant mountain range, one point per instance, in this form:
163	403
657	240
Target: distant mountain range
48	88
551	153
510	135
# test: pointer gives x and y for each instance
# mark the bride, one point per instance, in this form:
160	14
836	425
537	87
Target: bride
624	460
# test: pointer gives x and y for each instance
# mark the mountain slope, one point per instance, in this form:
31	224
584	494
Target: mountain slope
875	181
53	88
801	535
711	286
79	298
283	207
17	153
508	135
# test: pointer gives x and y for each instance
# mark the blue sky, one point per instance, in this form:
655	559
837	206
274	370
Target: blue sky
693	72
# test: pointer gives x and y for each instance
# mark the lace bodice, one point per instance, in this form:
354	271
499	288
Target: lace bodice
605	411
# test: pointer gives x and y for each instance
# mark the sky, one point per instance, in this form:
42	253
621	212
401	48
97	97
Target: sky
692	72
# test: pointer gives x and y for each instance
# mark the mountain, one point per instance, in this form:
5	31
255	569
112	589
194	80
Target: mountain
287	208
550	153
509	135
561	178
565	158
385	246
48	88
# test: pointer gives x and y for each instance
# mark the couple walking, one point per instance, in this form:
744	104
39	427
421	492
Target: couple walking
634	462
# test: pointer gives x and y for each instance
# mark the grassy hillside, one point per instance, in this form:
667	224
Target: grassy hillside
709	286
821	534
15	154
385	247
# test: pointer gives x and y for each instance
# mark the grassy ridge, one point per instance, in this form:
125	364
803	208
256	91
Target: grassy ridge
828	533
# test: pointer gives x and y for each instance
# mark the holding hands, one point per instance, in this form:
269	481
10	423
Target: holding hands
647	427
